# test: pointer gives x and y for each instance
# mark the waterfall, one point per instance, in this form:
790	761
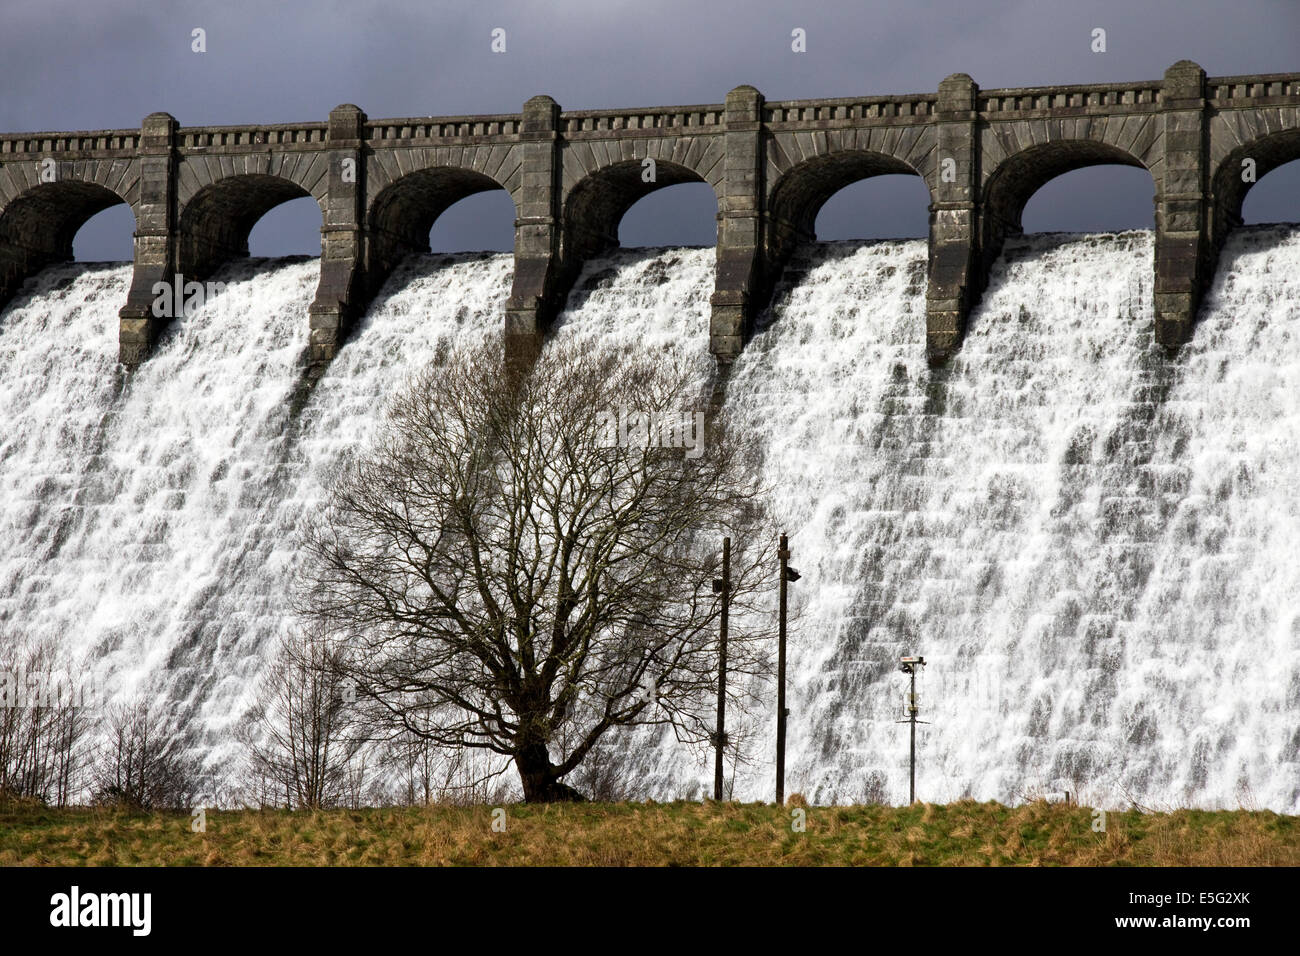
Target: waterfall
1090	543
151	526
1094	545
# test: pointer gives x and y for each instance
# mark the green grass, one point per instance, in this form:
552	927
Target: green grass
633	834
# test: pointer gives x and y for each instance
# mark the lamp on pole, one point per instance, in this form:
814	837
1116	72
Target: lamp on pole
788	574
909	666
722	586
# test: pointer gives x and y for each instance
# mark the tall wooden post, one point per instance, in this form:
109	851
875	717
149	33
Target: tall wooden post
784	554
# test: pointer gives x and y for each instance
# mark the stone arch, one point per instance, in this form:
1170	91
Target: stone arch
595	205
39	221
215	220
1228	190
797	196
1009	186
399	217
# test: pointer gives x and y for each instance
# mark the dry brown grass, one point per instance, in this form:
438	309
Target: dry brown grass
650	834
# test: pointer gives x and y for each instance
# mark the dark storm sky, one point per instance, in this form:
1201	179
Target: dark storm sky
73	64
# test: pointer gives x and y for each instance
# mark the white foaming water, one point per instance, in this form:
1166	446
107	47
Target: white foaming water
156	529
655	299
1094	546
1221	618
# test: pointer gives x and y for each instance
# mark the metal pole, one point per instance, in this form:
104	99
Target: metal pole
784	554
722	670
908	666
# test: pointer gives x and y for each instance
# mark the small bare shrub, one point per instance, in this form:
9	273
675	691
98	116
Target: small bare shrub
300	735
142	762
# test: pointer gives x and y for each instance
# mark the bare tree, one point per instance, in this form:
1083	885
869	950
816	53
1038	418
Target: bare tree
300	732
524	560
143	762
44	724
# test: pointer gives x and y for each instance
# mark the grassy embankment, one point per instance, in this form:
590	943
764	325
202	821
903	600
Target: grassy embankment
964	833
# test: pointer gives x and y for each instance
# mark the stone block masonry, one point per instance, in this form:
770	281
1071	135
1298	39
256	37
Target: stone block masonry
196	192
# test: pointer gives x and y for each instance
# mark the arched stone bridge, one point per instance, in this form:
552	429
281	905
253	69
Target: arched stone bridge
197	191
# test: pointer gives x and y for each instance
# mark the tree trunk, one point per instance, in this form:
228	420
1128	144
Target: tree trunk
537	774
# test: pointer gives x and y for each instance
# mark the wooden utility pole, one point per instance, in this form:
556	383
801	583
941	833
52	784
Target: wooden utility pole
722	585
783	553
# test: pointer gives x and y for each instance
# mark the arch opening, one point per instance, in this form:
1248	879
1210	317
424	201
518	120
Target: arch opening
404	216
798	197
1107	197
800	194
1020	177
594	210
1017	179
216	223
39	227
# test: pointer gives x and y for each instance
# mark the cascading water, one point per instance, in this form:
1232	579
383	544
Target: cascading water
935	513
1092	544
153	527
